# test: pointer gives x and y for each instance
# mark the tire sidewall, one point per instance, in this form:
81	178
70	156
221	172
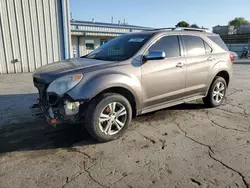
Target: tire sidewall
211	99
101	104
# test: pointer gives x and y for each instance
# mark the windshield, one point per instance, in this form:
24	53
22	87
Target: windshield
120	48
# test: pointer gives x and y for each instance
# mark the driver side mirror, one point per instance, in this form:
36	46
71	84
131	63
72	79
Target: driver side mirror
154	55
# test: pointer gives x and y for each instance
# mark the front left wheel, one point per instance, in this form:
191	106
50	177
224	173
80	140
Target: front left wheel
108	116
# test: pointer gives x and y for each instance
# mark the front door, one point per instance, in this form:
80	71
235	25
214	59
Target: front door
163	80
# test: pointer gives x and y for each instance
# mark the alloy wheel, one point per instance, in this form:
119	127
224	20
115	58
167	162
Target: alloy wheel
112	118
219	92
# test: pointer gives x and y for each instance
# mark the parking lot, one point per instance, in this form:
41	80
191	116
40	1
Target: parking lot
183	146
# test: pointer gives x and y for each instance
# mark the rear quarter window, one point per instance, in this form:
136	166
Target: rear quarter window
219	42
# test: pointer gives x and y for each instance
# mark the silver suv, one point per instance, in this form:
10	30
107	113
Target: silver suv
134	74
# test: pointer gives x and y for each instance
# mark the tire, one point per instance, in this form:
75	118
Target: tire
99	105
211	99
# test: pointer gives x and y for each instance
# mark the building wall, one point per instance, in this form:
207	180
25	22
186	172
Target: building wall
84	31
79	44
32	33
238	48
243	29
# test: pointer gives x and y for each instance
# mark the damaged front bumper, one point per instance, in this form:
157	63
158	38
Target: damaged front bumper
57	109
63	111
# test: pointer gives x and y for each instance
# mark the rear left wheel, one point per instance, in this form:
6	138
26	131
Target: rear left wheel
216	93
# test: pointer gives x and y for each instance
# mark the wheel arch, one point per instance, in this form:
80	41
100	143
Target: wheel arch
222	73
125	92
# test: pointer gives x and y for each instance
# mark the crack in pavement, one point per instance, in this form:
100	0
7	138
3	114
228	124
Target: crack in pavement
217	124
186	135
80	173
210	150
90	176
230	168
228	111
228	128
71	179
195	181
240	107
72	149
147	138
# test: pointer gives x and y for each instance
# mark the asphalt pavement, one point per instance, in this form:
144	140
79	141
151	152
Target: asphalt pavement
184	146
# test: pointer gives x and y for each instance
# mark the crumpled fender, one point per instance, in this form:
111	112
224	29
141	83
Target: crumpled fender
93	86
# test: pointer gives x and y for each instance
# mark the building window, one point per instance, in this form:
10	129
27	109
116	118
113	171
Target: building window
103	41
89	44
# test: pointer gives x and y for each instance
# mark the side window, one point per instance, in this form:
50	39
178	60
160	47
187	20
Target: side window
193	45
169	45
208	49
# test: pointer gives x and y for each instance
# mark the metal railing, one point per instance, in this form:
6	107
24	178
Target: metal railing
181	29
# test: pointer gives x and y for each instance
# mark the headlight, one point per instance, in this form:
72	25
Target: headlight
64	84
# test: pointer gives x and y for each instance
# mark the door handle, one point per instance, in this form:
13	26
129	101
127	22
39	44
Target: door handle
180	64
210	59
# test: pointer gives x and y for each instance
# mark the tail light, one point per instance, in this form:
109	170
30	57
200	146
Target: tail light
231	58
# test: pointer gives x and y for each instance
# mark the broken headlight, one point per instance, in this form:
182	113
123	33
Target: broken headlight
64	84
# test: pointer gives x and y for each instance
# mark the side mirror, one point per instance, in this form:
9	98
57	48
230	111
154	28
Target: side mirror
154	55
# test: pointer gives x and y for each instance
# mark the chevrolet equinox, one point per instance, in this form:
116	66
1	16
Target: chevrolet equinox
134	74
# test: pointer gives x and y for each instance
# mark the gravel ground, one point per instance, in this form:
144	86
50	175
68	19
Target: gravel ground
183	146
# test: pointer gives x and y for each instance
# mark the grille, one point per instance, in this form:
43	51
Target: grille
52	98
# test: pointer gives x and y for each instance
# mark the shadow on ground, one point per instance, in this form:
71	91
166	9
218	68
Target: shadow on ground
38	135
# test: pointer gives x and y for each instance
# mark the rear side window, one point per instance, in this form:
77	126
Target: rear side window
219	42
193	45
169	45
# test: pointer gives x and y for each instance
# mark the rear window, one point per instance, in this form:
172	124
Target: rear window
219	42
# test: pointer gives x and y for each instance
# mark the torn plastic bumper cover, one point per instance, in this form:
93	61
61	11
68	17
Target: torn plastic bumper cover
62	111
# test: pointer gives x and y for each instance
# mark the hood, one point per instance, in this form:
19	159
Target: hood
52	71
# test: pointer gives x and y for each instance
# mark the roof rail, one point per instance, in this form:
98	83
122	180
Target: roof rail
181	29
192	29
164	28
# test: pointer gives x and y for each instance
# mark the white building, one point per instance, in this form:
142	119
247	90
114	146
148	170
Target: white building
87	36
33	33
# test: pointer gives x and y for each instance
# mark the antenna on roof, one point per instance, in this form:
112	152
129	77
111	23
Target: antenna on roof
119	22
71	16
93	20
112	19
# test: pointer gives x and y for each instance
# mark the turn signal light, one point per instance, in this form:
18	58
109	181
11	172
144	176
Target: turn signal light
53	121
77	77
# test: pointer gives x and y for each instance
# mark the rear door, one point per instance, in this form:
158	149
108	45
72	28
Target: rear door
198	61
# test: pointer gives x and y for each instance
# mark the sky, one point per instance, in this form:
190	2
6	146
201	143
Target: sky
161	13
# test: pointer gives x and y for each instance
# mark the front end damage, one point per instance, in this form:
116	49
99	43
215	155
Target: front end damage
56	109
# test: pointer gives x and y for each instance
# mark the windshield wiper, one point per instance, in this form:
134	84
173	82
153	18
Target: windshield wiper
104	58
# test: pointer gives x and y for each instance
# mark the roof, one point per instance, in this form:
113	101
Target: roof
112	25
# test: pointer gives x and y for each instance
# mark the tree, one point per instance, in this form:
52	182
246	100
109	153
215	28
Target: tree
182	24
236	22
194	26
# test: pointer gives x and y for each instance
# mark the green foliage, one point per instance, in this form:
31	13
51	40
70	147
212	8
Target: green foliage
236	22
183	24
194	26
